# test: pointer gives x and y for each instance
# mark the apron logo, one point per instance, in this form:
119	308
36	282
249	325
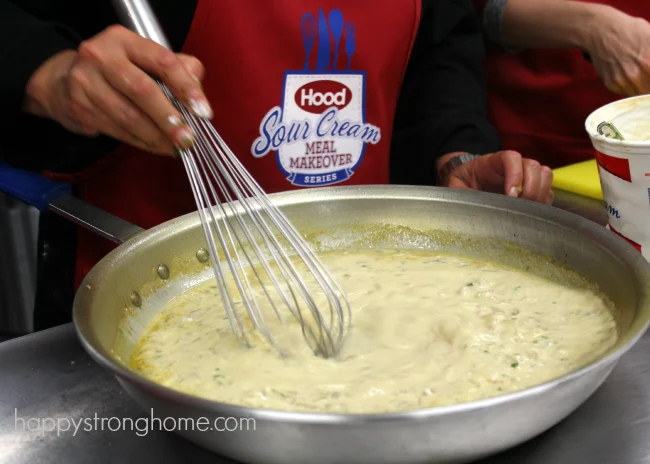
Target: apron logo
319	133
315	97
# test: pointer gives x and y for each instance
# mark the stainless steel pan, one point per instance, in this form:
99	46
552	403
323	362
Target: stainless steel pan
130	284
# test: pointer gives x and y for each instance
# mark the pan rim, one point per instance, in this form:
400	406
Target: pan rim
613	244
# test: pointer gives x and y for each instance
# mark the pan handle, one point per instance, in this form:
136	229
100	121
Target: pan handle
46	195
30	187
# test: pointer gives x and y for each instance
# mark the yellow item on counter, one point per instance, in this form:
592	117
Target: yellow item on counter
581	178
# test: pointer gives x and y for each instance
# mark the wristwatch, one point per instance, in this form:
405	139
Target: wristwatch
452	164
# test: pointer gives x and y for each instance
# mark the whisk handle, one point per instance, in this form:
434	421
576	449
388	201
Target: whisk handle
138	16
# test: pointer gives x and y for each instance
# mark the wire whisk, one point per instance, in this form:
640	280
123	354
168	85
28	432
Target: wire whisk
260	261
265	262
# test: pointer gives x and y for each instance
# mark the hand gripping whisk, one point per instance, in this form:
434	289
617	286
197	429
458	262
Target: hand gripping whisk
260	261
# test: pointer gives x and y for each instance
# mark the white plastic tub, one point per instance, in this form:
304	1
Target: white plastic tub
624	167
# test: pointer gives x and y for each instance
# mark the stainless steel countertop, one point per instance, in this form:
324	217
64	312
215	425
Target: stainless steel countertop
49	375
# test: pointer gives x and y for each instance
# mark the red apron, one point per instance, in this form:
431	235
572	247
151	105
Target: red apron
264	88
539	99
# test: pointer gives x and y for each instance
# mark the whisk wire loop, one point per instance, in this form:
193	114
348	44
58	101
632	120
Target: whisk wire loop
260	248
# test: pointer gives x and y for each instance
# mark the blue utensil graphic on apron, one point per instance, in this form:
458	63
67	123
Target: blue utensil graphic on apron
323	57
336	26
349	42
308	28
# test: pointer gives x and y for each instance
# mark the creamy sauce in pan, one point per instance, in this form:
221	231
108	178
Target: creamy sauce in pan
428	329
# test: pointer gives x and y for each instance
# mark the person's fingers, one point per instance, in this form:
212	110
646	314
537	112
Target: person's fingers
110	128
94	106
613	77
157	60
617	89
193	66
72	119
457	182
79	112
532	179
109	57
143	91
545	185
626	78
521	177
614	85
509	164
633	79
73	125
95	117
131	119
641	79
550	198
